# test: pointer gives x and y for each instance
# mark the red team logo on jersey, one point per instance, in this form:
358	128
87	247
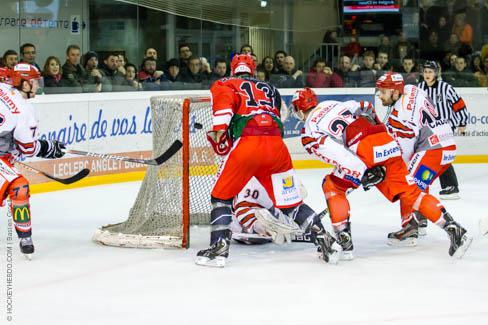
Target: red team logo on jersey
433	140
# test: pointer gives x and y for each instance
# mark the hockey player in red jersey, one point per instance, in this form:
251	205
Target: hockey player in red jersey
330	125
18	131
427	143
247	130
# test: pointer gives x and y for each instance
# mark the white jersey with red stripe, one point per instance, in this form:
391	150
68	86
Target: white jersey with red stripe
413	122
18	124
253	196
322	137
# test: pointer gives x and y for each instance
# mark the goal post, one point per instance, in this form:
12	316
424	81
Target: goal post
175	194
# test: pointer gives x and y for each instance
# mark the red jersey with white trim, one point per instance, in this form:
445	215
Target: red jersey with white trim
236	100
18	124
322	137
413	122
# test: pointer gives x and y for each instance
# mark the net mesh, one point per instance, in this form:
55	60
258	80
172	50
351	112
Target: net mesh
156	218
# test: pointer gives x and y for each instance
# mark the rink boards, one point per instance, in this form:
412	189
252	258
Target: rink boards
120	123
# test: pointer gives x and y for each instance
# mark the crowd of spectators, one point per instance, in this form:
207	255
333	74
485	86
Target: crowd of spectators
447	39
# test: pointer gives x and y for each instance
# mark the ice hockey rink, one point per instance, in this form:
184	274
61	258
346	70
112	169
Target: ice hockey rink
71	280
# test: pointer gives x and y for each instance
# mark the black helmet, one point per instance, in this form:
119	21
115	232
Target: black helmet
431	65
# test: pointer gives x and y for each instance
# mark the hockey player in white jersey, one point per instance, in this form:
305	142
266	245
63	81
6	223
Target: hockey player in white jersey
427	144
322	137
339	133
18	138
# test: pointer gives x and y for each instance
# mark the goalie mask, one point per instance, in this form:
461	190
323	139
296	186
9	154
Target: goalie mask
303	100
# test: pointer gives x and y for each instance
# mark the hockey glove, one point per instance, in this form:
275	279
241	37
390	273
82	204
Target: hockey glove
366	109
51	149
372	177
220	141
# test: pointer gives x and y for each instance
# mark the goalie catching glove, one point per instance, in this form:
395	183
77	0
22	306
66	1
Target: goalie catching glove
51	149
372	177
220	141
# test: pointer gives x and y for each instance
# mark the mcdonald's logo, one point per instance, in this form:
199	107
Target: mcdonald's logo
22	214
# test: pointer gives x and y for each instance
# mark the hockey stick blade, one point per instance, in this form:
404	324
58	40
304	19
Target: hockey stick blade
170	152
66	181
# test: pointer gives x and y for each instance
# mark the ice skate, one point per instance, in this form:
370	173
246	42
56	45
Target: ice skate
449	193
27	247
422	224
405	237
216	255
460	241
330	250
345	240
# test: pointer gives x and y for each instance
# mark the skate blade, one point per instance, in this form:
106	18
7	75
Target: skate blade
409	242
422	231
453	196
28	257
347	256
216	262
463	248
336	255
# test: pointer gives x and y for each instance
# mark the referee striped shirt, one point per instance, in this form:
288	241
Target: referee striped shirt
450	106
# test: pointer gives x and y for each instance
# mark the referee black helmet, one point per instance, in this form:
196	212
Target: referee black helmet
431	65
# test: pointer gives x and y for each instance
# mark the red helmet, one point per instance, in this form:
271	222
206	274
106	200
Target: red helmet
304	99
23	71
242	63
391	80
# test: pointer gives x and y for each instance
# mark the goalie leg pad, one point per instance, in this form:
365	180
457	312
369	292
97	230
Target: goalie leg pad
279	225
19	194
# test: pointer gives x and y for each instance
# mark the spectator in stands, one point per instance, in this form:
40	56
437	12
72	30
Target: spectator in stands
462	29
476	62
72	70
409	71
121	62
151	53
385	46
254	58
172	71
482	75
149	76
433	50
28	54
219	70
291	77
453	45
261	74
205	68
185	54
348	71
246	49
461	77
267	65
444	30
93	77
193	74
109	71
131	76
322	76
353	49
10	58
52	75
367	73
279	57
382	62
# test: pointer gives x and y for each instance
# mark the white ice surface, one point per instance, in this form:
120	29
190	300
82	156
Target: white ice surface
74	281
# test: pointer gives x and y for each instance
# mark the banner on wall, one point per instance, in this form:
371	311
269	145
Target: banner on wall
121	124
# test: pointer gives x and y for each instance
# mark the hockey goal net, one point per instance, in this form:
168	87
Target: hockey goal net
177	193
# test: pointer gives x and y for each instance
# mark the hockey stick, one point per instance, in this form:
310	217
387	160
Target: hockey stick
66	181
170	152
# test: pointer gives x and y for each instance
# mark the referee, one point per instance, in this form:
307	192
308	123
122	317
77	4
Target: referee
450	106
